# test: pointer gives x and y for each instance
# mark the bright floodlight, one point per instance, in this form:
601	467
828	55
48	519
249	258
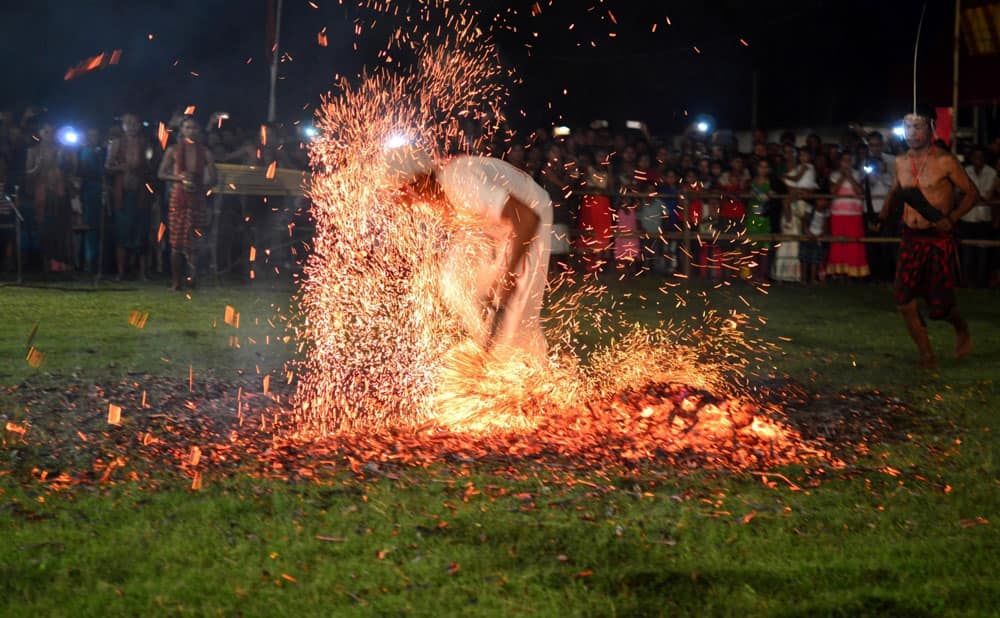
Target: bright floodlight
310	132
395	141
69	136
702	126
898	131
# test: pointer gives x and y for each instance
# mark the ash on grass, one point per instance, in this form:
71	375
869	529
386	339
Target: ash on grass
60	435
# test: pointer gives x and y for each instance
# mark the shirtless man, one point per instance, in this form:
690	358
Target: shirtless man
130	200
926	179
517	214
191	166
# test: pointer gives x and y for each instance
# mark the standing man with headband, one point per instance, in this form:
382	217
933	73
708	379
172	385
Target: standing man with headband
926	179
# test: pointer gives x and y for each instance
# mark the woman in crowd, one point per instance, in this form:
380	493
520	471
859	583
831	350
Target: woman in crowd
800	183
757	221
595	215
847	219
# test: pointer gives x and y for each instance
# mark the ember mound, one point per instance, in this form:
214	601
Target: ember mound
171	428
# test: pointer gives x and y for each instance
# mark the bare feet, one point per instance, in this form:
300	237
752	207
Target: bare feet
963	343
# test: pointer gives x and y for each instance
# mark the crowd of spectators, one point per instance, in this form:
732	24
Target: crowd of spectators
74	185
622	198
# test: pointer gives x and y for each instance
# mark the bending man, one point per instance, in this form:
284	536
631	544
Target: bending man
517	213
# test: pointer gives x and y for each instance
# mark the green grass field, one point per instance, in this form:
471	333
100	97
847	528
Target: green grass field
525	542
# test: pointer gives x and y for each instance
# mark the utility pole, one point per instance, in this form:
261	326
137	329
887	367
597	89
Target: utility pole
275	53
954	84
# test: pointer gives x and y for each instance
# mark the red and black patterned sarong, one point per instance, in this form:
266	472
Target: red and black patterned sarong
926	269
187	208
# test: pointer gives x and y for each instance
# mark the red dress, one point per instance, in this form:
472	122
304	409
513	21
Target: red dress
595	227
187	204
847	219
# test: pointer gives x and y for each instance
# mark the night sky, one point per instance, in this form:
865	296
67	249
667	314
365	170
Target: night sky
818	62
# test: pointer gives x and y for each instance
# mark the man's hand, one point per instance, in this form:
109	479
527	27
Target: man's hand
944	224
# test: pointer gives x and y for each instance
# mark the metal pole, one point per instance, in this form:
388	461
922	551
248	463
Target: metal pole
954	85
274	62
17	233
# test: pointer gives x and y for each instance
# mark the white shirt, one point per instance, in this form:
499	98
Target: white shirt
984	181
482	186
806	181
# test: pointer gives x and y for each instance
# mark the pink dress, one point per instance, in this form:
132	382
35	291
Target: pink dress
626	247
846	219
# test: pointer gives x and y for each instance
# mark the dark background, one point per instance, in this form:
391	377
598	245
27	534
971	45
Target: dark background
818	62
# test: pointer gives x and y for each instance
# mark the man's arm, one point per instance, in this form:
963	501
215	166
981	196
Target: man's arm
211	173
31	161
961	181
525	224
165	172
111	162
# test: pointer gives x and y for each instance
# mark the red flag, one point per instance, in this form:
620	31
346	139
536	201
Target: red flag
943	124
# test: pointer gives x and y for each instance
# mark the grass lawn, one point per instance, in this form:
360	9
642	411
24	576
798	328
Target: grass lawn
910	531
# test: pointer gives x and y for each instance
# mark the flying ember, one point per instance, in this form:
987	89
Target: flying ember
392	337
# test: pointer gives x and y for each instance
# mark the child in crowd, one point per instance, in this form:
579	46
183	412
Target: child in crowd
801	183
673	214
757	220
812	252
652	219
626	230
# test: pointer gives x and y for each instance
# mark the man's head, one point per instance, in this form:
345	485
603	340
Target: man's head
918	127
876	144
93	137
736	165
978	158
189	129
763	168
130	124
704	168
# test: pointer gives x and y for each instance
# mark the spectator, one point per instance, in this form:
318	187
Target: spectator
190	165
978	223
757	220
814	144
129	163
878	181
674	216
812	252
90	169
847	219
800	182
876	150
626	229
731	207
595	215
47	167
652	220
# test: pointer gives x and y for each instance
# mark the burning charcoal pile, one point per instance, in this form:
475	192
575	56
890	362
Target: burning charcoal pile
173	433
